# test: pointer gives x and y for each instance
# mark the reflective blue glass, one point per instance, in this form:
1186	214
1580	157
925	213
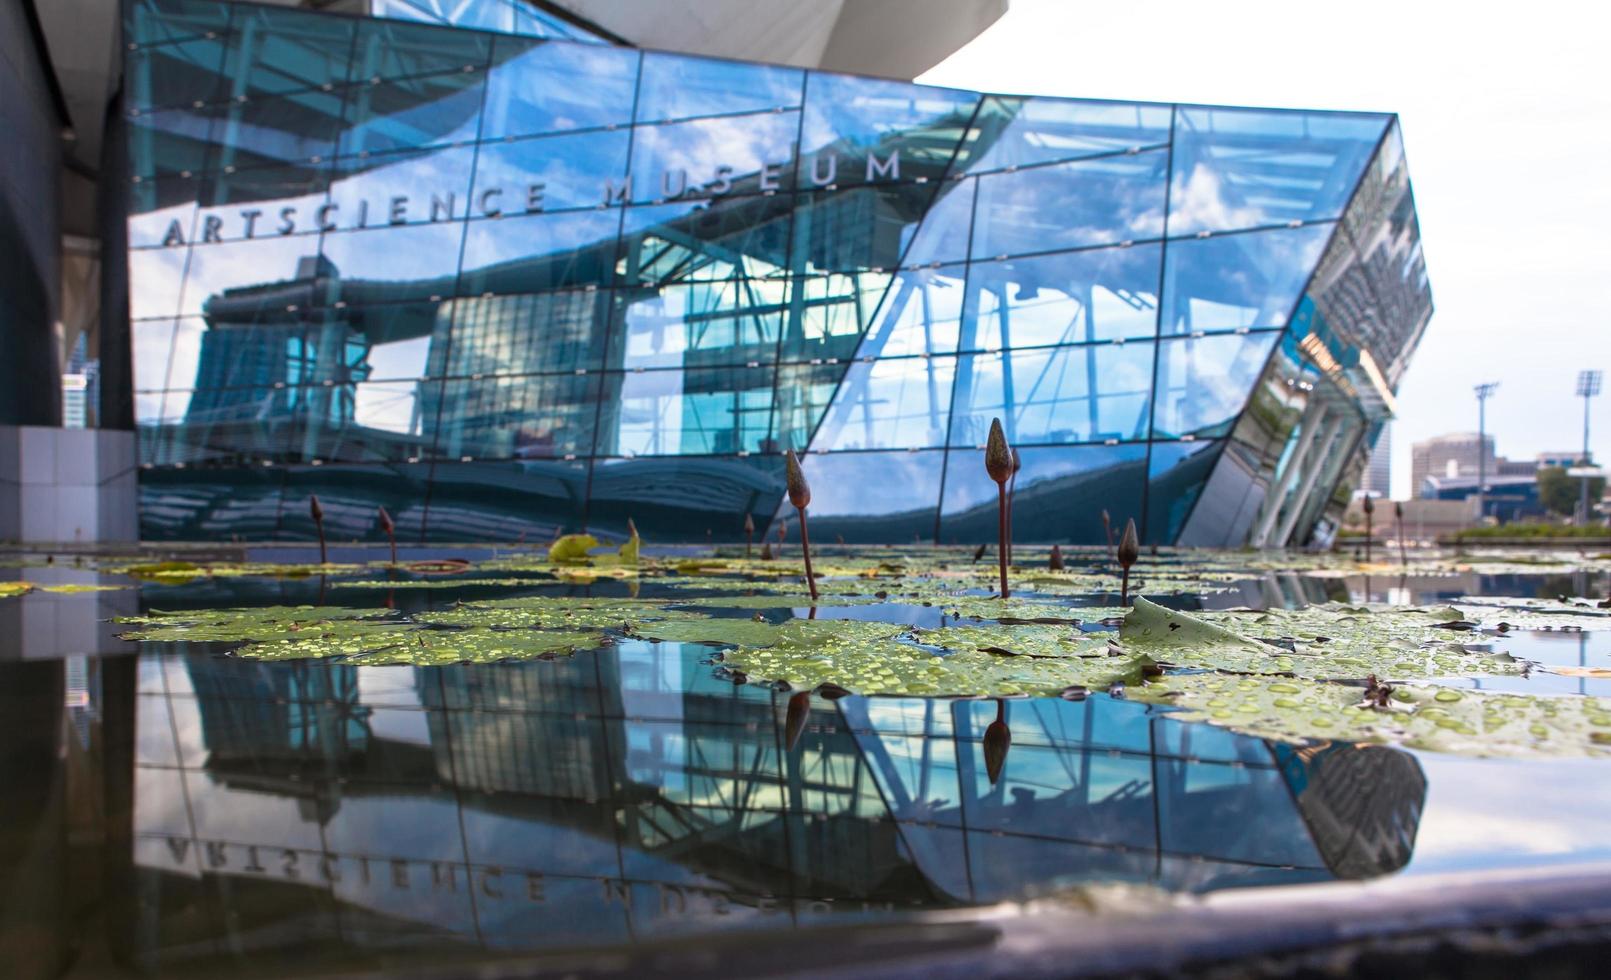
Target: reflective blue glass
921	313
552	173
712	157
1090	393
686	411
1060	494
850	117
178	73
1248	280
1203	382
351	497
541	267
538	251
1068	298
400	114
674	498
1176	473
680	87
1246	168
894	403
387	49
515	416
543	87
881	496
1104	201
1018	132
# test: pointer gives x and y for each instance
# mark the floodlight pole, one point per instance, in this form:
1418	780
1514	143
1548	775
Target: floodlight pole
1483	392
1588	385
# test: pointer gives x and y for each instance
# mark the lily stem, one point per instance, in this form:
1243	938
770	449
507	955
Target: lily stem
805	549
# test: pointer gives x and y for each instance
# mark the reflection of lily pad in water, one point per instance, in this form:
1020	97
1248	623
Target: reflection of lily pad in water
1435	718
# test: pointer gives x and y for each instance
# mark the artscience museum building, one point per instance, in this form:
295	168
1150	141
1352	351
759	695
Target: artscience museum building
508	285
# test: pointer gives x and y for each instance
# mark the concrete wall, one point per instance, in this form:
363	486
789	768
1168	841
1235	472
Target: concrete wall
67	486
30	226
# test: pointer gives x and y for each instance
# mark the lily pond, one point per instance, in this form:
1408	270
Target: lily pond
246	760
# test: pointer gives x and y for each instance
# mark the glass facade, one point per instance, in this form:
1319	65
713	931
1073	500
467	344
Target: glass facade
510	284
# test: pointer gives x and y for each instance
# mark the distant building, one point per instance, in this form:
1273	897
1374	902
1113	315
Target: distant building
1510	497
1563	458
1449	456
1378	479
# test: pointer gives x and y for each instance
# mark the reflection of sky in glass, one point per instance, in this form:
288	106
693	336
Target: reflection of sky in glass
678	87
547	88
1095	202
1203	383
1063	394
890	404
1249	280
1047	130
1076	297
859	112
699	147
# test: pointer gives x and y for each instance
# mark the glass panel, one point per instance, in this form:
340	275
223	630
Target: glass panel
731	154
261	203
1239	281
681	498
402	263
535	500
155	275
896	403
1069	205
1060	496
166	353
1019	132
850	117
830	315
733	238
1051	395
548	174
678	87
871	496
857	228
686	411
168	142
1175	476
517	417
184	505
1204	382
701	324
397	340
537	252
300	128
405	113
249	265
154	207
388	49
271	52
919	314
351	497
560	330
541	87
403	188
802	396
180	73
151	21
1074	297
1244	168
943	234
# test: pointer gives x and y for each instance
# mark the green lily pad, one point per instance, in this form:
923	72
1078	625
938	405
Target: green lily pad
425	647
1435	718
261	624
563	612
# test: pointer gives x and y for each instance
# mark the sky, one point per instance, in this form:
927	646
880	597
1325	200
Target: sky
1506	115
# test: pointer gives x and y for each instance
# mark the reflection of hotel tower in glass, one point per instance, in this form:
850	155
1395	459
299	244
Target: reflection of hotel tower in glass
510	286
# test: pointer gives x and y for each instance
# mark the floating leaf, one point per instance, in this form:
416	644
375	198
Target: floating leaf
572	548
1436	718
425	647
8	589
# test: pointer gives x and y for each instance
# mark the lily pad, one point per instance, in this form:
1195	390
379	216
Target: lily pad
261	624
426	647
1434	718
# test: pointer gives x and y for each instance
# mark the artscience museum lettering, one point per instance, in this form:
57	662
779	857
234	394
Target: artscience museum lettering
495	202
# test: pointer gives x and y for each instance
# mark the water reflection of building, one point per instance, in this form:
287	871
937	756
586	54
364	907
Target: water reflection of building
634	795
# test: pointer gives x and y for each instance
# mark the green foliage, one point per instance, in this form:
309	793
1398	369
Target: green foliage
1560	493
1531	529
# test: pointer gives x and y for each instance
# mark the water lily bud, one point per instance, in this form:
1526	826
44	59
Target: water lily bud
314	508
1056	562
386	521
1130	544
997	740
998	458
749	523
799	489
